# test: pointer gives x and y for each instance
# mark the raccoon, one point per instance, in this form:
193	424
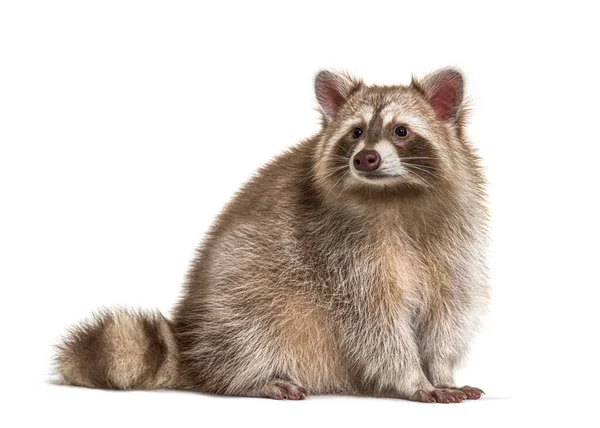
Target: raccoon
353	263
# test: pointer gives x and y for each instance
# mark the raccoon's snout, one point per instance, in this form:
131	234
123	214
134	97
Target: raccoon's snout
367	160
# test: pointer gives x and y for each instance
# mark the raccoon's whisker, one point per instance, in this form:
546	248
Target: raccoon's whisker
420	179
418	157
404	161
420	165
423	178
343	148
420	168
342	162
340	165
340	157
331	172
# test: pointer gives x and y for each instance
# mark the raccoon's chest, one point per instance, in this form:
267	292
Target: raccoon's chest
403	273
413	276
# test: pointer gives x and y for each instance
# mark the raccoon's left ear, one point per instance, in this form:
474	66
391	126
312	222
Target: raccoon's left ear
444	90
332	91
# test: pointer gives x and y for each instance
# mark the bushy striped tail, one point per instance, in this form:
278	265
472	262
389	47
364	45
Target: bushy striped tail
120	350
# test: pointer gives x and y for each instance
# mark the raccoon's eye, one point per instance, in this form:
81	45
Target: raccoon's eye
400	131
356	132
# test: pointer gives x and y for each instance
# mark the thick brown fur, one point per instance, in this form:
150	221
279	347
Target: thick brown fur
314	281
120	349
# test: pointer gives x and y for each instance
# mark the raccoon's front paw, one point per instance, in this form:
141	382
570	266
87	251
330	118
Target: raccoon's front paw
439	396
283	390
472	393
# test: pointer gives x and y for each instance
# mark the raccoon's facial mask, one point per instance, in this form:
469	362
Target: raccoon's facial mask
386	136
390	149
368	144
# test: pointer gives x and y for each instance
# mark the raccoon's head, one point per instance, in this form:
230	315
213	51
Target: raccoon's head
379	140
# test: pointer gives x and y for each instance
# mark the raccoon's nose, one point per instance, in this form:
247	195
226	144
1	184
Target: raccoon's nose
367	160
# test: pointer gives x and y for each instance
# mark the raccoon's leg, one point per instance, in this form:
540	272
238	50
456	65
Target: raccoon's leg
443	344
235	363
413	383
238	354
392	366
441	376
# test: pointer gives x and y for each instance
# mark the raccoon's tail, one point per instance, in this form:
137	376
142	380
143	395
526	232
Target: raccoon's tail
120	349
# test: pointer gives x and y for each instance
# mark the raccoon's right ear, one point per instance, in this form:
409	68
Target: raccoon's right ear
332	91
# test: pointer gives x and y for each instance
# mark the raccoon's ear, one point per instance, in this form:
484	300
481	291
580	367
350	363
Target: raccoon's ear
332	91
444	91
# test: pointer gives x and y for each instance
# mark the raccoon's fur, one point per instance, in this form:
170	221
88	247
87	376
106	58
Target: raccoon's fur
353	263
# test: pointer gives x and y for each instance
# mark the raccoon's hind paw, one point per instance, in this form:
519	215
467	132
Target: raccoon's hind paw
282	390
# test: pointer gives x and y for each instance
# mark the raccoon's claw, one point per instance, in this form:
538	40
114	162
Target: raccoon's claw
439	396
471	392
448	396
283	390
423	397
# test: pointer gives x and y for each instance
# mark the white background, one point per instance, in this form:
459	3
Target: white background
110	110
